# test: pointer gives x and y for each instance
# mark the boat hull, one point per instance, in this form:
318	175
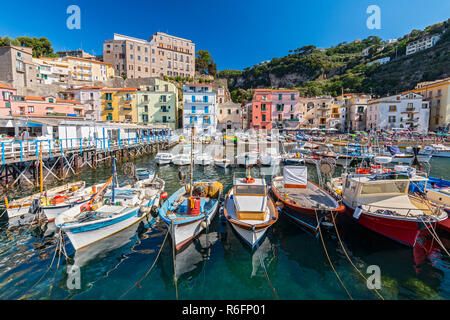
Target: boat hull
250	237
400	230
51	212
81	239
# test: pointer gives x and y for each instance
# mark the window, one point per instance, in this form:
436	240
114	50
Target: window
229	111
131	56
263	117
30	109
292	96
206	109
280	96
220	111
263	107
145	108
280	107
193	109
205	98
424	106
162	99
131	46
392	108
391	119
292	108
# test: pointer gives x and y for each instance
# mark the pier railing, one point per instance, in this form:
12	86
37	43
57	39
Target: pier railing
19	151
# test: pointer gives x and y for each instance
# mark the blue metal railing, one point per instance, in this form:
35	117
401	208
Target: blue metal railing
23	149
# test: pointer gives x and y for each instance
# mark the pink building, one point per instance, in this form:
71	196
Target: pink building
275	109
6	93
45	106
285	109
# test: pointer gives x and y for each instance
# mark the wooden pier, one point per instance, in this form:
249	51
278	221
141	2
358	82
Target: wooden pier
62	158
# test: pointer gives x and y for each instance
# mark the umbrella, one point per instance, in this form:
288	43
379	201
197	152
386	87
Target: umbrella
352	135
385	134
431	132
364	133
439	134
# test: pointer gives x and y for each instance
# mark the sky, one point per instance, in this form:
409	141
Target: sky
238	34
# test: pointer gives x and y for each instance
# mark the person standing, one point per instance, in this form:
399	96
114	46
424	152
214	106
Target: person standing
25	134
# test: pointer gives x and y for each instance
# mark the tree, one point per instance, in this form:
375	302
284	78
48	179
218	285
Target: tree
202	61
212	68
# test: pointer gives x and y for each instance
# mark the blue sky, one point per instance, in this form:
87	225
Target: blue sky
237	33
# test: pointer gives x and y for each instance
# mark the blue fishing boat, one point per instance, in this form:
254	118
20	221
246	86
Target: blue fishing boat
143	173
187	214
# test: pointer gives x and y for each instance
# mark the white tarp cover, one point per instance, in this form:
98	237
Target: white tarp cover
295	176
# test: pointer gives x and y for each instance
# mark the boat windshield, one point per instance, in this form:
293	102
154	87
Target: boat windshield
388	187
249	190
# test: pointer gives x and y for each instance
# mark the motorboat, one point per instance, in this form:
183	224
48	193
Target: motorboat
294	157
270	157
249	209
163	158
143	173
381	203
302	200
441	151
247	159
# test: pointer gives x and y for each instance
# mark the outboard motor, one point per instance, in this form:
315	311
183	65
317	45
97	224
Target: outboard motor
34	207
415	161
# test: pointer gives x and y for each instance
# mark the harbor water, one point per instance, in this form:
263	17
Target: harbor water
217	265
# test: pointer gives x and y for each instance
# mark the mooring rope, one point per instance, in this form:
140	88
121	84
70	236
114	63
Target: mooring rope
48	268
261	261
346	254
434	235
149	270
60	243
175	281
329	259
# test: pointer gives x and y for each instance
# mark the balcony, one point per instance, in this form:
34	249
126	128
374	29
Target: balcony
109	108
410	120
127	108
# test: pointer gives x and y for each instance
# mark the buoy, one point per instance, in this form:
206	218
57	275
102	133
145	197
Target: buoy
164	195
204	224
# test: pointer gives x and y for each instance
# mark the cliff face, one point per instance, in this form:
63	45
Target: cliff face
344	67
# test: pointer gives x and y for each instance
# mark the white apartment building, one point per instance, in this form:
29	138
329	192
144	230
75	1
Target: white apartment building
406	111
422	44
199	108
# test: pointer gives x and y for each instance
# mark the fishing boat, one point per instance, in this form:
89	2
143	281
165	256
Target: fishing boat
222	162
53	206
401	157
143	173
203	160
441	151
302	200
19	208
381	203
163	158
294	157
249	209
187	214
109	213
181	160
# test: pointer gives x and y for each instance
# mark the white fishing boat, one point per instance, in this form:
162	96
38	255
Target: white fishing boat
163	158
53	206
25	207
181	160
249	209
203	160
222	162
441	151
111	213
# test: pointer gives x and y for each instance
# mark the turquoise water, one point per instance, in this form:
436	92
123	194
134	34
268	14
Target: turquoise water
225	269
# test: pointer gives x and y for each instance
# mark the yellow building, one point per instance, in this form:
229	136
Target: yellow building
82	69
438	94
119	104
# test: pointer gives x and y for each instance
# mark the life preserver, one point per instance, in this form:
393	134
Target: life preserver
249	180
362	171
58	199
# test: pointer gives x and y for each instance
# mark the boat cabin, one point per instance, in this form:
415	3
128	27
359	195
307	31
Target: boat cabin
250	198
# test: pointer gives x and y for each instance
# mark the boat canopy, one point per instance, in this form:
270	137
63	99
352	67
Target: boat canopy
393	150
295	176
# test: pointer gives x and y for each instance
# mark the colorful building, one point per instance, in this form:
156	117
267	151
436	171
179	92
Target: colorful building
45	107
229	116
437	93
260	113
285	109
119	104
90	97
157	103
200	108
316	112
6	93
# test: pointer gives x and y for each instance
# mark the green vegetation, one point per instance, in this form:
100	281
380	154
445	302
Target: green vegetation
41	47
343	68
204	63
